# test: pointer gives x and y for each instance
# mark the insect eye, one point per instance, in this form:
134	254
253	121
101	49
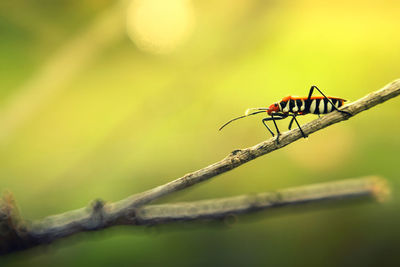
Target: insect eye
276	104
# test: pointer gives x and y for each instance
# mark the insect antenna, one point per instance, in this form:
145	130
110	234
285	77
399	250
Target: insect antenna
246	114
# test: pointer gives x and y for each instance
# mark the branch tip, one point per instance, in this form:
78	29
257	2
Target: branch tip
380	189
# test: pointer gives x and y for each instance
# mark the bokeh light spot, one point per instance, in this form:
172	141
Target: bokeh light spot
159	26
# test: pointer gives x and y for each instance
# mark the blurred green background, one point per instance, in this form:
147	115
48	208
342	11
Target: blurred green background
103	99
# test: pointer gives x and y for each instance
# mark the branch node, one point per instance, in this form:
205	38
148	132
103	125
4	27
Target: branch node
13	230
235	152
97	205
97	215
131	215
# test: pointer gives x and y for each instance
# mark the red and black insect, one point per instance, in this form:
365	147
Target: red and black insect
292	106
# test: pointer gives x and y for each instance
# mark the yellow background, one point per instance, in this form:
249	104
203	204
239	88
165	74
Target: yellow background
104	99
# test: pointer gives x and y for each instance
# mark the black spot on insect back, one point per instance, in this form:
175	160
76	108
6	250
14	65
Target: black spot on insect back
326	103
307	104
291	105
299	103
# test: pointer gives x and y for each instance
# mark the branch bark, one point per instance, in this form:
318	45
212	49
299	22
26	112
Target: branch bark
372	187
20	235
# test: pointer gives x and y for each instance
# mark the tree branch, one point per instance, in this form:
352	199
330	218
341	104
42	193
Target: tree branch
16	233
368	187
21	235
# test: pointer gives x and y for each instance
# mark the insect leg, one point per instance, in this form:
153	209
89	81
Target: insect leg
310	93
291	122
263	121
335	108
274	118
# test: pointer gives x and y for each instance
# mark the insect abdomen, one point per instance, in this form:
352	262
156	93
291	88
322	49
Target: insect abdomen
323	105
314	106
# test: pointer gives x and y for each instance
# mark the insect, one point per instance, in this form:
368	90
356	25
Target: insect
293	106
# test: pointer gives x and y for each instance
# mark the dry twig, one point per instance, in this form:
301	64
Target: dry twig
369	187
19	235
